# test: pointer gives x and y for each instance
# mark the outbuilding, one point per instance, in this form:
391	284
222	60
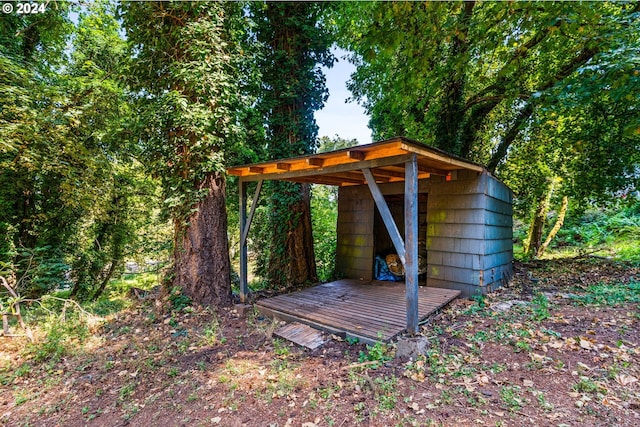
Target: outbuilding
448	222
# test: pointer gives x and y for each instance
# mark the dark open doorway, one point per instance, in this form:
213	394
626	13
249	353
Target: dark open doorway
382	244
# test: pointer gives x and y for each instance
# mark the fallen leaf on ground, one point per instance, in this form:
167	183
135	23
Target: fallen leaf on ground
625	380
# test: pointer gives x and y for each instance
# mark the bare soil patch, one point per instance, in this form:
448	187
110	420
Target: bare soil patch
560	345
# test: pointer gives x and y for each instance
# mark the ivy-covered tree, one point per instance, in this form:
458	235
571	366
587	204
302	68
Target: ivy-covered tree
185	71
296	46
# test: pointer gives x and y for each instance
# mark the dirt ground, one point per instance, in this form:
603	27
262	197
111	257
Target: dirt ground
558	346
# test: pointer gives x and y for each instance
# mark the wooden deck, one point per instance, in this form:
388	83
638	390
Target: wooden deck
369	311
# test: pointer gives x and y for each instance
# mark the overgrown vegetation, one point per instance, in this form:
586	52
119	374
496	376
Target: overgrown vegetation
611	231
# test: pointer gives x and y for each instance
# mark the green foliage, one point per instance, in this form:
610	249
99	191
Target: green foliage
187	98
63	334
352	340
511	396
179	301
70	193
324	215
610	294
379	353
587	385
613	229
540	307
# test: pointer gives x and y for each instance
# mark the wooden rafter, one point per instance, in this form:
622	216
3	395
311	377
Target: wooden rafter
385	159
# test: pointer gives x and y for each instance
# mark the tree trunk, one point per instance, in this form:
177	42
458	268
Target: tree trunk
537	226
556	227
201	249
103	284
292	258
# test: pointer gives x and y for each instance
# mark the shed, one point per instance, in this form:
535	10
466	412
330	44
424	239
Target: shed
402	197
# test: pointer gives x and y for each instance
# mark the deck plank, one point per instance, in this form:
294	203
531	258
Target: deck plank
365	309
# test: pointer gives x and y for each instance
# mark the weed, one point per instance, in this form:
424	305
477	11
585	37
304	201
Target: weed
23	370
281	348
183	346
511	397
546	406
479	306
586	385
61	335
129	411
179	301
326	392
213	333
481	336
359	408
352	340
22	397
446	397
494	368
378	353
522	346
540	307
387	392
173	372
126	391
476	401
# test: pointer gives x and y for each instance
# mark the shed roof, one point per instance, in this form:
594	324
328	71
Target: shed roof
386	160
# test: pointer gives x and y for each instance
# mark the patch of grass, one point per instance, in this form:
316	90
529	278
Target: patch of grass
21	397
281	348
62	336
610	294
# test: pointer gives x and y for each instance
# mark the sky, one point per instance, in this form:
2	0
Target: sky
347	120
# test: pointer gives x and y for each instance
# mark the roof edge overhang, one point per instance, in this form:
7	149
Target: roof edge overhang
342	167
